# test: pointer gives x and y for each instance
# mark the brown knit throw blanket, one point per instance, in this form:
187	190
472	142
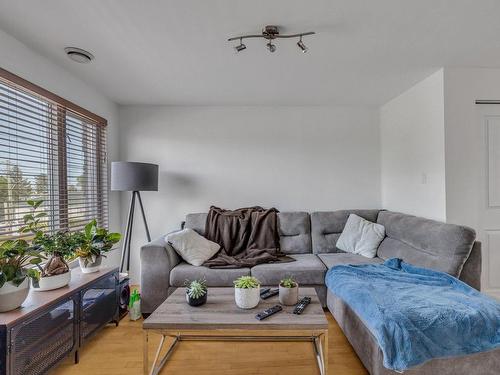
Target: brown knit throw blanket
247	236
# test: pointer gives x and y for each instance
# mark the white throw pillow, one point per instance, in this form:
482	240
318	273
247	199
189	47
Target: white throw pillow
361	236
192	247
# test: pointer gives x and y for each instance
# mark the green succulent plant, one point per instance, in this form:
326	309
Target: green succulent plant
196	289
246	282
288	282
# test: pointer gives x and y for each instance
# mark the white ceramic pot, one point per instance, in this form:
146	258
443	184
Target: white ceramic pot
289	296
11	296
247	298
51	282
87	266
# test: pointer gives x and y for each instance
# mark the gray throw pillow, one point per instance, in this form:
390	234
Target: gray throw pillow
192	247
361	236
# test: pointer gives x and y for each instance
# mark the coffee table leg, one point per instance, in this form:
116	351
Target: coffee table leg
156	367
318	350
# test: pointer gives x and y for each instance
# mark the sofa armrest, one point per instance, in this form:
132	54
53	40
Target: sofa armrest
157	260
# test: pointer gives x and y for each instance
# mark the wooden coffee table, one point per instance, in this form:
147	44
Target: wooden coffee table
221	320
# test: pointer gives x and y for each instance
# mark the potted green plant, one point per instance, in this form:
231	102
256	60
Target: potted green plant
92	244
196	292
247	292
16	257
288	291
55	272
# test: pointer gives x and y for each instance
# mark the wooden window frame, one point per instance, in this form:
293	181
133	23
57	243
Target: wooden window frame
64	105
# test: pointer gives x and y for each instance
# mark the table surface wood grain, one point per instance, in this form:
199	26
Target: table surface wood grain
221	313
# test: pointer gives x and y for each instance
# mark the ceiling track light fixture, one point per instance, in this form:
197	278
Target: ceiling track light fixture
270	33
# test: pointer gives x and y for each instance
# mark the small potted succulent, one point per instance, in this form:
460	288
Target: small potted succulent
247	292
196	292
288	291
16	258
92	244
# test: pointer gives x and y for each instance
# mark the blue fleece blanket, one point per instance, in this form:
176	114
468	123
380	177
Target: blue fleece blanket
417	314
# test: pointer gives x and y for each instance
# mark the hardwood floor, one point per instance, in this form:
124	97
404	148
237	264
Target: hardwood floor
118	351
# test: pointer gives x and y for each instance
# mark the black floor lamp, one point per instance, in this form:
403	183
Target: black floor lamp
134	177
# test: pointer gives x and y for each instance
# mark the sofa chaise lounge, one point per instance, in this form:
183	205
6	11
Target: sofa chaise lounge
310	239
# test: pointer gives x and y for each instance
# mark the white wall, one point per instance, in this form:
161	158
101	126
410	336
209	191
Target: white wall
19	59
412	150
293	158
466	160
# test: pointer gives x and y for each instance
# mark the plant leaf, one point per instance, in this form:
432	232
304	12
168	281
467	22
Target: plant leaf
114	237
18	280
37	203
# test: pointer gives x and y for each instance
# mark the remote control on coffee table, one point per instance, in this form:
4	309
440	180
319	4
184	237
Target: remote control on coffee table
267	313
299	308
269	293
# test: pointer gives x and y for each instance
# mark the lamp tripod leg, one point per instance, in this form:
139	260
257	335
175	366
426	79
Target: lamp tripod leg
128	234
144	217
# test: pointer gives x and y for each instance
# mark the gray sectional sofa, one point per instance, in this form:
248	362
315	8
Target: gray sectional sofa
310	239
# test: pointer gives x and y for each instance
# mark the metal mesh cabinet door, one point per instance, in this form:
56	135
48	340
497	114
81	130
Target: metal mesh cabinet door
3	350
99	305
40	342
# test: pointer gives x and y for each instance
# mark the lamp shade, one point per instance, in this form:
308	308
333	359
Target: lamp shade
133	176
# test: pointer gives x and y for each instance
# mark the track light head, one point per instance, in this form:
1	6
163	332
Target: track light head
271	47
241	46
302	46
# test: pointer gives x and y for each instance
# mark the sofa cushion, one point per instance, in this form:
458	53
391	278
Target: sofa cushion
326	227
306	270
424	242
295	232
331	260
214	277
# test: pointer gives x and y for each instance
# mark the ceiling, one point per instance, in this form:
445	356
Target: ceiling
176	52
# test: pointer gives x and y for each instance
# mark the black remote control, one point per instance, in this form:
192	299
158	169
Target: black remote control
264	291
267	313
269	293
299	308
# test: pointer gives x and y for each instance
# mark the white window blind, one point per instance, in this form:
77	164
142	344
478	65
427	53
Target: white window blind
52	152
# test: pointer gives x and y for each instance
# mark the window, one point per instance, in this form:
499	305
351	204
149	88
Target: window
53	150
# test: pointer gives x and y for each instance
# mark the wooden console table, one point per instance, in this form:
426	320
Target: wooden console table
51	325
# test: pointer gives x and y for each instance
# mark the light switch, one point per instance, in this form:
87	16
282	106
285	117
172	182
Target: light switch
424	178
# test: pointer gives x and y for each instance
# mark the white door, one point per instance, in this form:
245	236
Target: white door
489	197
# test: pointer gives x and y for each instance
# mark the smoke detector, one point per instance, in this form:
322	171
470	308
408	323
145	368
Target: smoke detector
79	55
